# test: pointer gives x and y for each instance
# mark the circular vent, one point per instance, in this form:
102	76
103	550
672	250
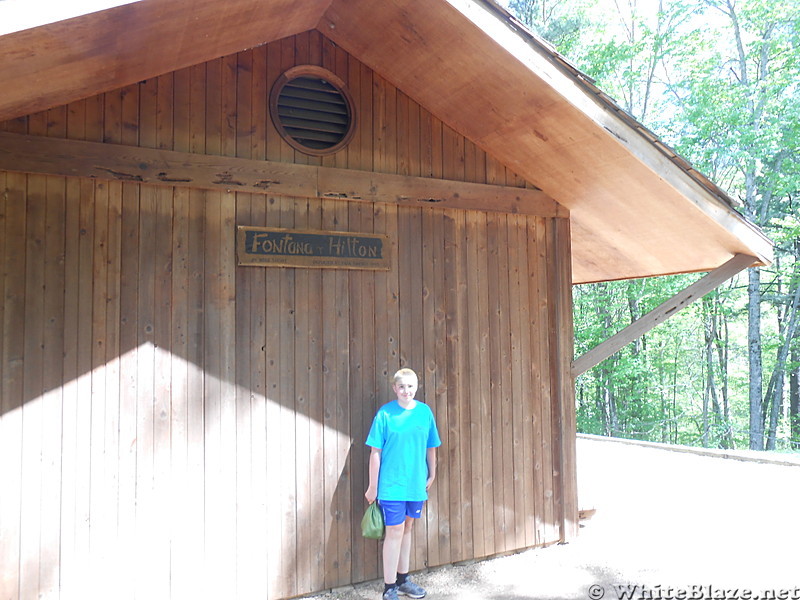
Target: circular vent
312	110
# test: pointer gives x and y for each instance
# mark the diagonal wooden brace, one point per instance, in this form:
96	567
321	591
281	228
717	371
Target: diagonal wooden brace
638	328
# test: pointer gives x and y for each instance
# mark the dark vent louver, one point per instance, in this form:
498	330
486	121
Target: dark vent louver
313	113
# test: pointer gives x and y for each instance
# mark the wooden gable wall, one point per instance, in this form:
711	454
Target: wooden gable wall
172	425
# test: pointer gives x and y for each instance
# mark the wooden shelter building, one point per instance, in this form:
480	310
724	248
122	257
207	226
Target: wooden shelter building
179	420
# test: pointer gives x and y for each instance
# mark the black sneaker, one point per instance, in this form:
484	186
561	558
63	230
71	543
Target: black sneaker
411	589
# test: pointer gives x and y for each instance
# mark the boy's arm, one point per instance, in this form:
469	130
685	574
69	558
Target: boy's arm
431	456
374	468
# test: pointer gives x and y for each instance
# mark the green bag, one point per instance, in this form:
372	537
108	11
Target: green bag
372	523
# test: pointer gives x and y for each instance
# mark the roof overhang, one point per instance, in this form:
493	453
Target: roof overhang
636	209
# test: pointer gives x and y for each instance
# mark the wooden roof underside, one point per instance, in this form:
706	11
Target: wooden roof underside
635	208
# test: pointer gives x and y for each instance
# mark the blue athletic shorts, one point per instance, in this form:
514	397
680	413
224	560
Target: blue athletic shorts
395	512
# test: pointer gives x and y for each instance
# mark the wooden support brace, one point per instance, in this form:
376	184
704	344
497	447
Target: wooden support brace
638	328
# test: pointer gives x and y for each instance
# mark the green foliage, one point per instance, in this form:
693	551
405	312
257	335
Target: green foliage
561	22
719	81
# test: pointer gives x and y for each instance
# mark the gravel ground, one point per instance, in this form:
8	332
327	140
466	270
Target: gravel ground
668	524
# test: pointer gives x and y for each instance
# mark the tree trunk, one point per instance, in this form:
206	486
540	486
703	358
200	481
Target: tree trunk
633	294
794	398
709	330
780	370
602	407
673	419
716	346
610	402
722	352
754	357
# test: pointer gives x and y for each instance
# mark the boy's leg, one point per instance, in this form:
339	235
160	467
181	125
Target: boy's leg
399	518
392	550
406	587
404	558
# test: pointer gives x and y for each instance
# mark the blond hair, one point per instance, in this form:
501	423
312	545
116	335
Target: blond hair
405	372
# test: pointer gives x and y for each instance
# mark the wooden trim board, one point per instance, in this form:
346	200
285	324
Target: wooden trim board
72	158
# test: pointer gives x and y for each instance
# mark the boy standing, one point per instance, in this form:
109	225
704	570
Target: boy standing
402	466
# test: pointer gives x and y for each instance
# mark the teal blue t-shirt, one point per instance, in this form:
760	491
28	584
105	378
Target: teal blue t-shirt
403	436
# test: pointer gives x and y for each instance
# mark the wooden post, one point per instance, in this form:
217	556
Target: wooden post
564	452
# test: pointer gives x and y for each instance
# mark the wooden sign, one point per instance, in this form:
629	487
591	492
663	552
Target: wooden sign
274	247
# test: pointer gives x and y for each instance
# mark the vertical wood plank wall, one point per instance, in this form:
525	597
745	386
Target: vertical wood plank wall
172	426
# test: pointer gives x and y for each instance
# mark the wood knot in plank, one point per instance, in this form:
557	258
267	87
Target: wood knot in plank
121	175
226	178
266	183
341	196
167	179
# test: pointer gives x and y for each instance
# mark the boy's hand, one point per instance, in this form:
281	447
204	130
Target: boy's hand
371	494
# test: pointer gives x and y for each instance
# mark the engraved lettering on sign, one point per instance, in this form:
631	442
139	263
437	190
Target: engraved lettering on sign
266	243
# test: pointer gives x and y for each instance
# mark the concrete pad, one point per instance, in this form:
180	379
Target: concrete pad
669	523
